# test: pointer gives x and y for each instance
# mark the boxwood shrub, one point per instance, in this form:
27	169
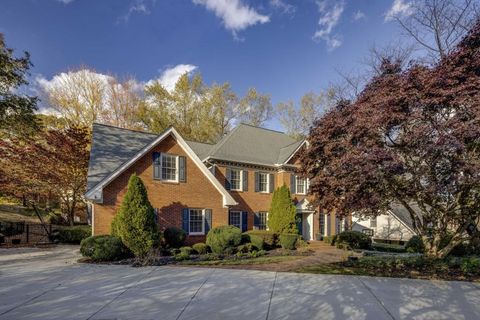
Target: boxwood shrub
174	237
200	248
353	240
288	240
270	239
104	248
224	239
73	235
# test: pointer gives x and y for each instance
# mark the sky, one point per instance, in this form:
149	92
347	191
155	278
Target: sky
285	48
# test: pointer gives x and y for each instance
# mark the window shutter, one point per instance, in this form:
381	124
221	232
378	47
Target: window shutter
257	182
157	213
244	221
185	218
229	218
208	220
227	179
156	165
293	189
271	181
245	180
182	169
256	219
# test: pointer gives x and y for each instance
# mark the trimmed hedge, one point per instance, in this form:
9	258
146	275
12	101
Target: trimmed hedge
270	239
174	237
104	248
255	240
73	235
385	247
224	239
353	240
288	240
200	248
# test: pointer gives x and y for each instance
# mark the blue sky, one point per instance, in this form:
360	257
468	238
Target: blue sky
282	47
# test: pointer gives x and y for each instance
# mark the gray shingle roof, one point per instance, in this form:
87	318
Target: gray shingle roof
112	146
251	144
403	215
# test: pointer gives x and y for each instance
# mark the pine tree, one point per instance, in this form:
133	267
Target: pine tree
135	222
282	217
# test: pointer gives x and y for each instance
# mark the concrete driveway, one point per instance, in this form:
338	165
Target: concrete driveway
48	284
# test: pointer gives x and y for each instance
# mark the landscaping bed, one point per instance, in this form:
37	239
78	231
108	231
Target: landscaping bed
416	267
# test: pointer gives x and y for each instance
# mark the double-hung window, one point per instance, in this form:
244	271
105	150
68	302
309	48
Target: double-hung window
262	220
301	185
196	222
236	219
236	179
169	165
263	182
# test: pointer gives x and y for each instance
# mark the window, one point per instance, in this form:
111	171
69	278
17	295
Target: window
301	185
262	220
262	182
236	219
236	179
322	224
169	165
196	221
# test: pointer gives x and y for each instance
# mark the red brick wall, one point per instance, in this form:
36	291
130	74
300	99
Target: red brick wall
170	198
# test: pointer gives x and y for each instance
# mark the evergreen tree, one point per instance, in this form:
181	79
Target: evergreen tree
135	222
282	217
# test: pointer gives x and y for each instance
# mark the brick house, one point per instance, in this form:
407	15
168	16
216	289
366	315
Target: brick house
197	186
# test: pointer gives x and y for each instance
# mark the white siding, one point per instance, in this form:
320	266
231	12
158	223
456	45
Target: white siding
388	227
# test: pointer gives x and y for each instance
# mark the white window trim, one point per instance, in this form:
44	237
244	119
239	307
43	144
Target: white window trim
241	179
305	186
241	217
266	219
203	223
268	182
176	167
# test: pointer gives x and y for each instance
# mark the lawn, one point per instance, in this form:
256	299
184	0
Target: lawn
19	217
239	262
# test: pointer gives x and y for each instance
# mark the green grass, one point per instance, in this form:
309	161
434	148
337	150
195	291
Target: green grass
240	262
19	217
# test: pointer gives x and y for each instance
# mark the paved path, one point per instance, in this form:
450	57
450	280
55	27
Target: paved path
49	285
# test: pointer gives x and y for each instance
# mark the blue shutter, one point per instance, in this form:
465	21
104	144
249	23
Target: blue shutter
244	221
293	189
245	180
208	220
271	181
156	165
257	182
185	219
229	218
182	169
227	179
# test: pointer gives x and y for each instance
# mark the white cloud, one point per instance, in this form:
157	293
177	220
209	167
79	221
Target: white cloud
359	15
235	15
399	8
330	15
169	77
137	6
283	6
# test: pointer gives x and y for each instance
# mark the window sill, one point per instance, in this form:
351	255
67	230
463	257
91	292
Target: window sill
196	234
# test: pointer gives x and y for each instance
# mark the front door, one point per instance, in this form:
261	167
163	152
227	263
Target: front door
307	224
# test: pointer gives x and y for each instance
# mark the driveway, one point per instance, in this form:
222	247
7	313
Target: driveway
48	284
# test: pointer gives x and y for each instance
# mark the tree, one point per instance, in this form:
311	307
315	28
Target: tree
297	120
135	223
255	108
412	138
438	25
52	164
282	216
16	110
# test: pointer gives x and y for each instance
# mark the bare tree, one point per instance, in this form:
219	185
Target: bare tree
438	25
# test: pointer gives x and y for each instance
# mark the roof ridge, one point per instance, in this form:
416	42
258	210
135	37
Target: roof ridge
210	144
125	129
262	128
296	141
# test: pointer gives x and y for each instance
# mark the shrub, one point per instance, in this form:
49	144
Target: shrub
182	256
135	223
186	250
471	265
256	241
200	248
282	216
246	248
353	240
174	237
288	240
270	239
104	248
385	247
330	240
415	244
221	238
74	234
55	218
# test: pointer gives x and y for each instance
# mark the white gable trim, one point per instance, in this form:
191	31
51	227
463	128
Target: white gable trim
296	150
96	193
390	212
